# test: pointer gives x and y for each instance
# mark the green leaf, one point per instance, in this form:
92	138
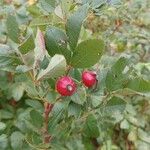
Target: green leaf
137	121
74	109
124	124
55	68
2	126
36	118
129	92
79	97
17	140
17	91
91	129
88	145
94	3
66	6
35	138
47	5
142	145
76	74
22	68
27	45
115	2
74	24
41	21
59	107
7	57
115	79
139	85
54	121
44	63
7	62
57	113
96	100
120	65
30	88
51	96
5	114
115	109
31	127
59	12
34	10
5	49
97	3
5	52
131	109
144	18
144	136
34	104
3	141
56	42
116	103
87	53
12	28
74	143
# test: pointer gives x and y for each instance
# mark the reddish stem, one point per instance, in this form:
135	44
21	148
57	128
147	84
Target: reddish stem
13	103
10	77
48	109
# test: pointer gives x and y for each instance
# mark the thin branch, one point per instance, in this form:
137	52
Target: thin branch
47	109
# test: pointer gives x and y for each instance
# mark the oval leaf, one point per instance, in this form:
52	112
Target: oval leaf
55	68
56	42
91	129
27	45
12	28
87	53
17	140
79	97
74	23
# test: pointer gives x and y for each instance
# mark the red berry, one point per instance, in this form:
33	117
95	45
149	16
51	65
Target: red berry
65	86
89	78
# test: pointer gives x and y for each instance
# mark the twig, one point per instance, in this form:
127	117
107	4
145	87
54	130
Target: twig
48	108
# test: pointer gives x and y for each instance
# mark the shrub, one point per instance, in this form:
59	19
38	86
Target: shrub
74	74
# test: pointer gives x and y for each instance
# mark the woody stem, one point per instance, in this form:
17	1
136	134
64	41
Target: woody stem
48	108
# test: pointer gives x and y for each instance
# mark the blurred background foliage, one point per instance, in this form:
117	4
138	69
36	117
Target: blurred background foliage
114	117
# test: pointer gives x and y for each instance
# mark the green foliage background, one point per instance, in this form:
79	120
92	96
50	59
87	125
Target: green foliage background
45	39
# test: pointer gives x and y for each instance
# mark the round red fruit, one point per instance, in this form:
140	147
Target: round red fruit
89	78
66	86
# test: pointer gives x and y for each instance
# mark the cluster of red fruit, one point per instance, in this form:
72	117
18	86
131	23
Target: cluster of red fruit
67	87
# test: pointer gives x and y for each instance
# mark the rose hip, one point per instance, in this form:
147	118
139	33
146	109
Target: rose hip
65	86
89	78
